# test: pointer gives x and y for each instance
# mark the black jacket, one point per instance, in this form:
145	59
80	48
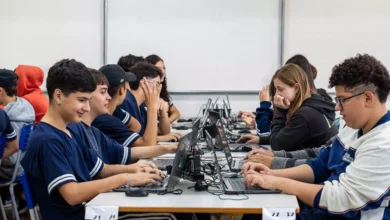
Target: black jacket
310	126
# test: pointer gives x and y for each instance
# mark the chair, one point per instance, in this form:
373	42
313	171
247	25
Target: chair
25	134
29	198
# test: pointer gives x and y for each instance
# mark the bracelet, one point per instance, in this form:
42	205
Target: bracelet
128	181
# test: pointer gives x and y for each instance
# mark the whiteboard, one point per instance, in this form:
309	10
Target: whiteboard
42	32
328	32
207	45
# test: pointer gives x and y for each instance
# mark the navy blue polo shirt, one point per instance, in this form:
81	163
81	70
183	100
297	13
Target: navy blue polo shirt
7	132
52	160
122	115
130	105
115	129
105	148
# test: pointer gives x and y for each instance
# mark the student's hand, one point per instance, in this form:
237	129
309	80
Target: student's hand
152	93
140	179
259	151
253	178
281	102
260	158
247	114
250	139
171	148
258	167
164	107
264	94
169	137
248	120
141	167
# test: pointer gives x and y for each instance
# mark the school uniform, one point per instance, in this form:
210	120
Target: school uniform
108	150
53	159
130	105
122	115
115	129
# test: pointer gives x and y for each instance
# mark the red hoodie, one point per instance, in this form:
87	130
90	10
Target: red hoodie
30	78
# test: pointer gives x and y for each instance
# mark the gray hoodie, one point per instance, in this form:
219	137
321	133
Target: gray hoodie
20	113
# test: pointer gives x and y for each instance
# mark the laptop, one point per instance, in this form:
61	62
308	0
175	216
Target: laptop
163	163
235	185
235	164
170	181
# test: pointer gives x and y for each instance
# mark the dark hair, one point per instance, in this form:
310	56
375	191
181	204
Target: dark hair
69	76
113	90
99	77
362	73
10	91
142	70
302	62
313	71
153	59
128	61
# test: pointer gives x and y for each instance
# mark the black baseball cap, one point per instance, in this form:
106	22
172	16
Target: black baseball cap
8	78
116	75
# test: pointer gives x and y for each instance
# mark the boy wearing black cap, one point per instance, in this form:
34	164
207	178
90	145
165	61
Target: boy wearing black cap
112	126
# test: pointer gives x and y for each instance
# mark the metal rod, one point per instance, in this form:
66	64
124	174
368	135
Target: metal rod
281	31
105	20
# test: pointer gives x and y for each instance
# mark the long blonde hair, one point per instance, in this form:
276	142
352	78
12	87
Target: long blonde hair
291	74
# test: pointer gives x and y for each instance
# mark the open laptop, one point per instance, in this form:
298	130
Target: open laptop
170	181
235	185
163	163
235	164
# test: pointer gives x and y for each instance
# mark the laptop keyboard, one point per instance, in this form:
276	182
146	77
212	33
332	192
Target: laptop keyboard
162	164
237	183
147	187
152	187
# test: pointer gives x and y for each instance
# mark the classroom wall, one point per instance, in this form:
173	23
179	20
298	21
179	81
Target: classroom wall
45	31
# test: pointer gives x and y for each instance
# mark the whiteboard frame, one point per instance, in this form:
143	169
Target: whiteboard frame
243	92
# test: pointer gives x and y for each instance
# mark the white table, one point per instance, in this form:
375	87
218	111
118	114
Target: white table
194	202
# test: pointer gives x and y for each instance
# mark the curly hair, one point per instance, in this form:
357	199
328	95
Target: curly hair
69	76
153	59
363	72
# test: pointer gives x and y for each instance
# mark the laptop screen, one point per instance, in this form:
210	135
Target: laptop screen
224	142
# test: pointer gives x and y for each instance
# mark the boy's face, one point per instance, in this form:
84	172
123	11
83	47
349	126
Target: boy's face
353	109
2	93
100	99
74	106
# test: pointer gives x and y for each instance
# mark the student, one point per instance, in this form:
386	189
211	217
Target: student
264	113
107	149
20	113
30	79
173	112
63	174
301	121
302	62
140	113
112	126
349	180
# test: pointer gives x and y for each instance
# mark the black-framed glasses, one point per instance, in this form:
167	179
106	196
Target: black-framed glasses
340	101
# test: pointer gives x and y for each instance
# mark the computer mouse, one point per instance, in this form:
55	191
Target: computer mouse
244	131
173	140
181	120
231	175
137	193
189	120
181	128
